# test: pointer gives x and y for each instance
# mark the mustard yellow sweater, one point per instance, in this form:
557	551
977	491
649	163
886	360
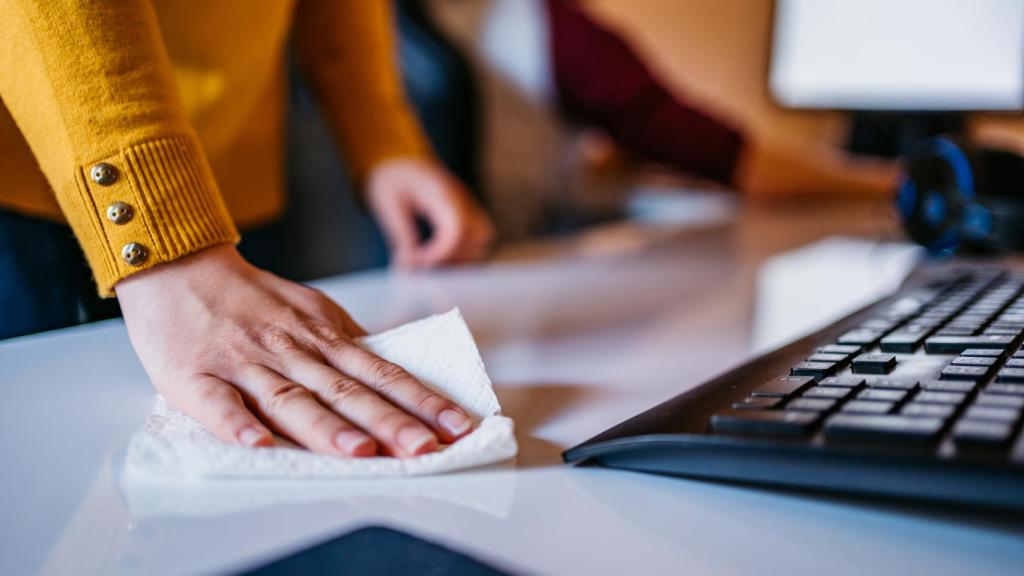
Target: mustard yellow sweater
154	126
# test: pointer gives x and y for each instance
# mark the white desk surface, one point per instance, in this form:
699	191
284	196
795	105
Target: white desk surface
578	335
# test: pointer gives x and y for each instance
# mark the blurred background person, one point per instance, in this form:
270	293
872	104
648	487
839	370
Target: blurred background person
571	109
324	205
550	117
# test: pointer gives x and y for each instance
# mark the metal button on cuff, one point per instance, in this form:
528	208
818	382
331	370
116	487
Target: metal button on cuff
119	212
103	174
134	253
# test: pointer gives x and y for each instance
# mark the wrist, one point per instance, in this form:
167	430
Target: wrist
197	265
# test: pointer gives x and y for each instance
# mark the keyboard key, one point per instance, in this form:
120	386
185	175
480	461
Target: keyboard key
940	397
964	323
1003	324
992	413
968	318
957	344
982	432
826	392
757	403
936	315
882	395
867	407
891	383
904	341
975	361
823	357
783	386
1010	375
880	324
948	386
1015	363
814	369
860	337
984	352
928	410
1019	354
1000	400
1008	318
969	373
866	427
873	363
842	381
1009	389
1006	323
1003	328
812	404
1015	332
847	349
956	331
764	421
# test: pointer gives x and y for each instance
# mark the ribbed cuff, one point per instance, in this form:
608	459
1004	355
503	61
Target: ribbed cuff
151	203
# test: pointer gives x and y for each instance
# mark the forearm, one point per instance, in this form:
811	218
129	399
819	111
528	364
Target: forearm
93	94
602	81
785	166
347	51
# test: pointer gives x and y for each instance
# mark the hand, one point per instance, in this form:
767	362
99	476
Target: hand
399	190
789	167
246	353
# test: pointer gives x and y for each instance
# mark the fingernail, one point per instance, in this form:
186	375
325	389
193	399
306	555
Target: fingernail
251	436
455	422
355	443
414	439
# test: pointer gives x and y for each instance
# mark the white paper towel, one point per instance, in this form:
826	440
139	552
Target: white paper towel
438	350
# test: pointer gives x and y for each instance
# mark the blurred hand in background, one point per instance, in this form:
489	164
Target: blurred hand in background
781	166
404	191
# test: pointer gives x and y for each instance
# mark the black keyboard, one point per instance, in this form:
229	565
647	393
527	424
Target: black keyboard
918	396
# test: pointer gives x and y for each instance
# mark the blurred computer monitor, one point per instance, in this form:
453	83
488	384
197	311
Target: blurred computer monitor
898	55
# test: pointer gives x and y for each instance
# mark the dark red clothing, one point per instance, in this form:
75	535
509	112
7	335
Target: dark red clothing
601	81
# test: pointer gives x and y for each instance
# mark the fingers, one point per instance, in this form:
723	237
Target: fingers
295	412
402	189
461	234
218	406
444	244
398	432
401	389
398	221
478	241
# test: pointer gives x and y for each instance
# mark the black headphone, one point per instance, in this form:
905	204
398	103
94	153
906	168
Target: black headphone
953	196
